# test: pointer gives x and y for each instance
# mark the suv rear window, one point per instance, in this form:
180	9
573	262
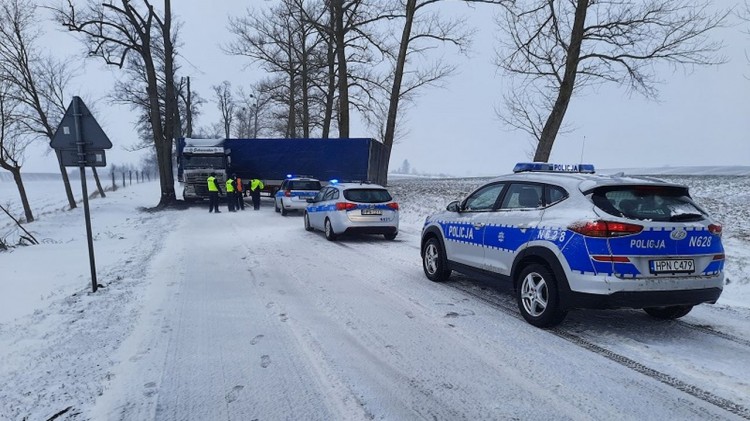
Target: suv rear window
367	195
303	185
655	203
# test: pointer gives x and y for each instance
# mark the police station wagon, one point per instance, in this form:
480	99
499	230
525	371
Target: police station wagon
569	238
360	208
294	192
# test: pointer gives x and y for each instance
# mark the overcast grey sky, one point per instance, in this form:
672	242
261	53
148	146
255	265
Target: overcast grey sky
701	118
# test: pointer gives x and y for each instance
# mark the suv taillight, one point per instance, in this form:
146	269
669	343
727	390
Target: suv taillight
605	228
715	229
345	206
288	193
392	205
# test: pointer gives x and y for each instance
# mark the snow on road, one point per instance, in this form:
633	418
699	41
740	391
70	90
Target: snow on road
247	316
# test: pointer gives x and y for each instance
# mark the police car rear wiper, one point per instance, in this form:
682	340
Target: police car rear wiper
686	217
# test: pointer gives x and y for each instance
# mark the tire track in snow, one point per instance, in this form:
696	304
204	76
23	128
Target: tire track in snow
394	368
708	330
664	378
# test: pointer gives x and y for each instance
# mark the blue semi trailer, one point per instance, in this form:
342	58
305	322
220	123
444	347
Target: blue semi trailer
271	160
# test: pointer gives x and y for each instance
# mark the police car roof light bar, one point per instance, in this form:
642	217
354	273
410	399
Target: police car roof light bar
548	167
350	181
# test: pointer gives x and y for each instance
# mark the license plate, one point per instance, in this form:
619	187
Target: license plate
372	212
672	266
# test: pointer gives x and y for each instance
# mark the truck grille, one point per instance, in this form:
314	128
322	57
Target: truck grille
199	183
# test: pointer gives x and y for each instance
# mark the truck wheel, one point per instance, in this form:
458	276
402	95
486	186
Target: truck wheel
434	262
330	235
538	300
308	227
668	313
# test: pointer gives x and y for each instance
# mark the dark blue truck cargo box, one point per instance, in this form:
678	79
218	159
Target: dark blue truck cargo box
325	159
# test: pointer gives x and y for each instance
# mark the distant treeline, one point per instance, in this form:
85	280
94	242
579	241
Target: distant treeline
41	176
30	176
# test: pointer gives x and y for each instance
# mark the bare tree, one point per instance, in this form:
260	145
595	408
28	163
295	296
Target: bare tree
189	106
225	102
555	48
325	49
246	113
422	30
40	79
282	42
744	14
114	32
13	142
350	30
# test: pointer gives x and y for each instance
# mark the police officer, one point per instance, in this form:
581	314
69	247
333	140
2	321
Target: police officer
240	188
213	193
255	187
231	197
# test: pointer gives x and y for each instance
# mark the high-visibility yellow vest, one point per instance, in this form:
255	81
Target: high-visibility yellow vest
230	187
256	184
211	180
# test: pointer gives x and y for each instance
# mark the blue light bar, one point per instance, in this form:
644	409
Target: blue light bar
548	167
333	181
288	176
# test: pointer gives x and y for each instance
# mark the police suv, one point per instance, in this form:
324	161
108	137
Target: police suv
346	208
569	238
294	192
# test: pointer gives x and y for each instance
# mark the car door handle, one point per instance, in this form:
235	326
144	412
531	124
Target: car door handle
478	225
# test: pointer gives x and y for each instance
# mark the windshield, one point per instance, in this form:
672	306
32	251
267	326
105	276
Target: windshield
193	161
655	203
303	185
367	195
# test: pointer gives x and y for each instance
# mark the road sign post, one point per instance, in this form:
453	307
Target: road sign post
81	143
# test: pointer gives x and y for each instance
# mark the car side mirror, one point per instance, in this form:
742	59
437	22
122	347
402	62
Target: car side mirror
454	206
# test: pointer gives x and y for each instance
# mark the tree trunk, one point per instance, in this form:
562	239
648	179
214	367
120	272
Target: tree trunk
291	126
66	181
390	126
331	88
305	87
98	183
165	137
340	36
555	119
16	171
189	112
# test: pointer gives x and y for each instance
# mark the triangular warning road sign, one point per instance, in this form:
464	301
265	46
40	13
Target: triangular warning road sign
91	133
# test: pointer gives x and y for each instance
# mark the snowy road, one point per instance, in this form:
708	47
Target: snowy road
248	316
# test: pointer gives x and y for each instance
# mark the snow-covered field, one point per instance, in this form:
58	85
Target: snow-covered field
247	316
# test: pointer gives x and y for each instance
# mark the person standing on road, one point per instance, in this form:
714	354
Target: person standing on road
240	188
213	193
255	187
231	198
